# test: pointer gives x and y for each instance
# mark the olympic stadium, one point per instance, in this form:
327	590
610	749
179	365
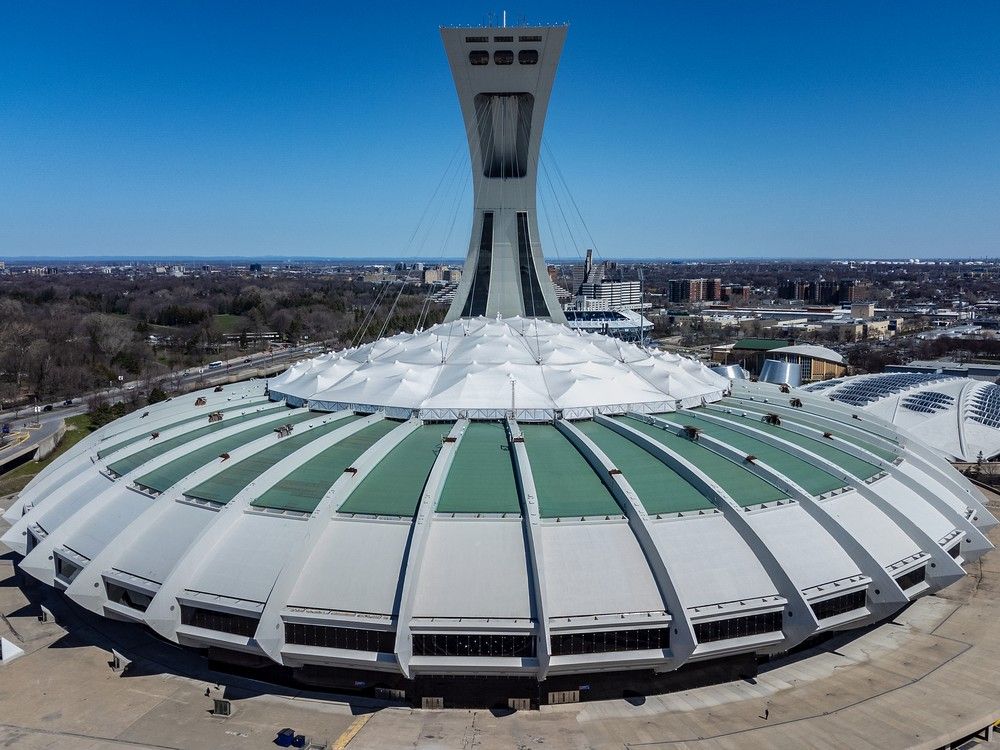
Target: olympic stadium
499	507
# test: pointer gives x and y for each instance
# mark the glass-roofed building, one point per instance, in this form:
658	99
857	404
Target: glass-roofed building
498	507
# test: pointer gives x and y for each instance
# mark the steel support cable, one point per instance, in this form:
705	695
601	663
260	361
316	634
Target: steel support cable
572	199
562	212
451	173
372	312
369	313
456	206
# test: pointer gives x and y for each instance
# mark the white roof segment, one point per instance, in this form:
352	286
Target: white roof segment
475	569
468	367
596	568
881	537
154	551
68	499
701	553
915	508
98	531
245	563
809	555
380	545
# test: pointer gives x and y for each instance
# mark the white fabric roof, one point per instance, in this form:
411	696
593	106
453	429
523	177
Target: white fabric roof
467	368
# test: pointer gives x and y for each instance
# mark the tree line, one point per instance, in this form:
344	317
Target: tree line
64	335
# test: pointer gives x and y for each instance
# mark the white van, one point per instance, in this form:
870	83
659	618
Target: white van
215	365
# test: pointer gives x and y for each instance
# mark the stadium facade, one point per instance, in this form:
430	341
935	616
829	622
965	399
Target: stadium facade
498	507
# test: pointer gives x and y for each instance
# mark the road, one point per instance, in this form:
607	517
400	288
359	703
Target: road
182	380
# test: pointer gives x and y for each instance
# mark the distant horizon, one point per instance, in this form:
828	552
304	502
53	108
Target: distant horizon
805	131
379	259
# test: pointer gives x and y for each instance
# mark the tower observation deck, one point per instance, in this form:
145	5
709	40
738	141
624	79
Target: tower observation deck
504	78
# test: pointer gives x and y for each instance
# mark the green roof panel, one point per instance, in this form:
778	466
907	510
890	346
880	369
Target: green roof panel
742	485
394	486
824	448
481	477
660	488
203	415
812	479
167	475
225	485
302	488
566	484
763	345
160	446
872	446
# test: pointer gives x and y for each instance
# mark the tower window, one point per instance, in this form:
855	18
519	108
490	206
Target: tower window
479	57
503	39
529	39
503	57
527	56
476	39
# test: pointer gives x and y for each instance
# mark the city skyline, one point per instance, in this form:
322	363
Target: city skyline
716	131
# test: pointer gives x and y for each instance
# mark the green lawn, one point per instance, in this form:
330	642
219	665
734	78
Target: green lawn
228	323
77	428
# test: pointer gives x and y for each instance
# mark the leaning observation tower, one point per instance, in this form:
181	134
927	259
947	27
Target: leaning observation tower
498	508
504	79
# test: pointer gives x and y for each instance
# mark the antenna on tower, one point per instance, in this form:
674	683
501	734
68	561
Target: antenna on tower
505	19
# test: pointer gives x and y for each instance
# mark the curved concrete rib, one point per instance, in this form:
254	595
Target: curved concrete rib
536	559
682	640
66	489
975	543
922	457
87	591
800	622
270	633
64	469
943	569
417	543
36	563
885	596
163	613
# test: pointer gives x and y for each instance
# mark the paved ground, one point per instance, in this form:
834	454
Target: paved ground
26	436
925	678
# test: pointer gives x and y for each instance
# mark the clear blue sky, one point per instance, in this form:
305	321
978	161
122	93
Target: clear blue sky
695	128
